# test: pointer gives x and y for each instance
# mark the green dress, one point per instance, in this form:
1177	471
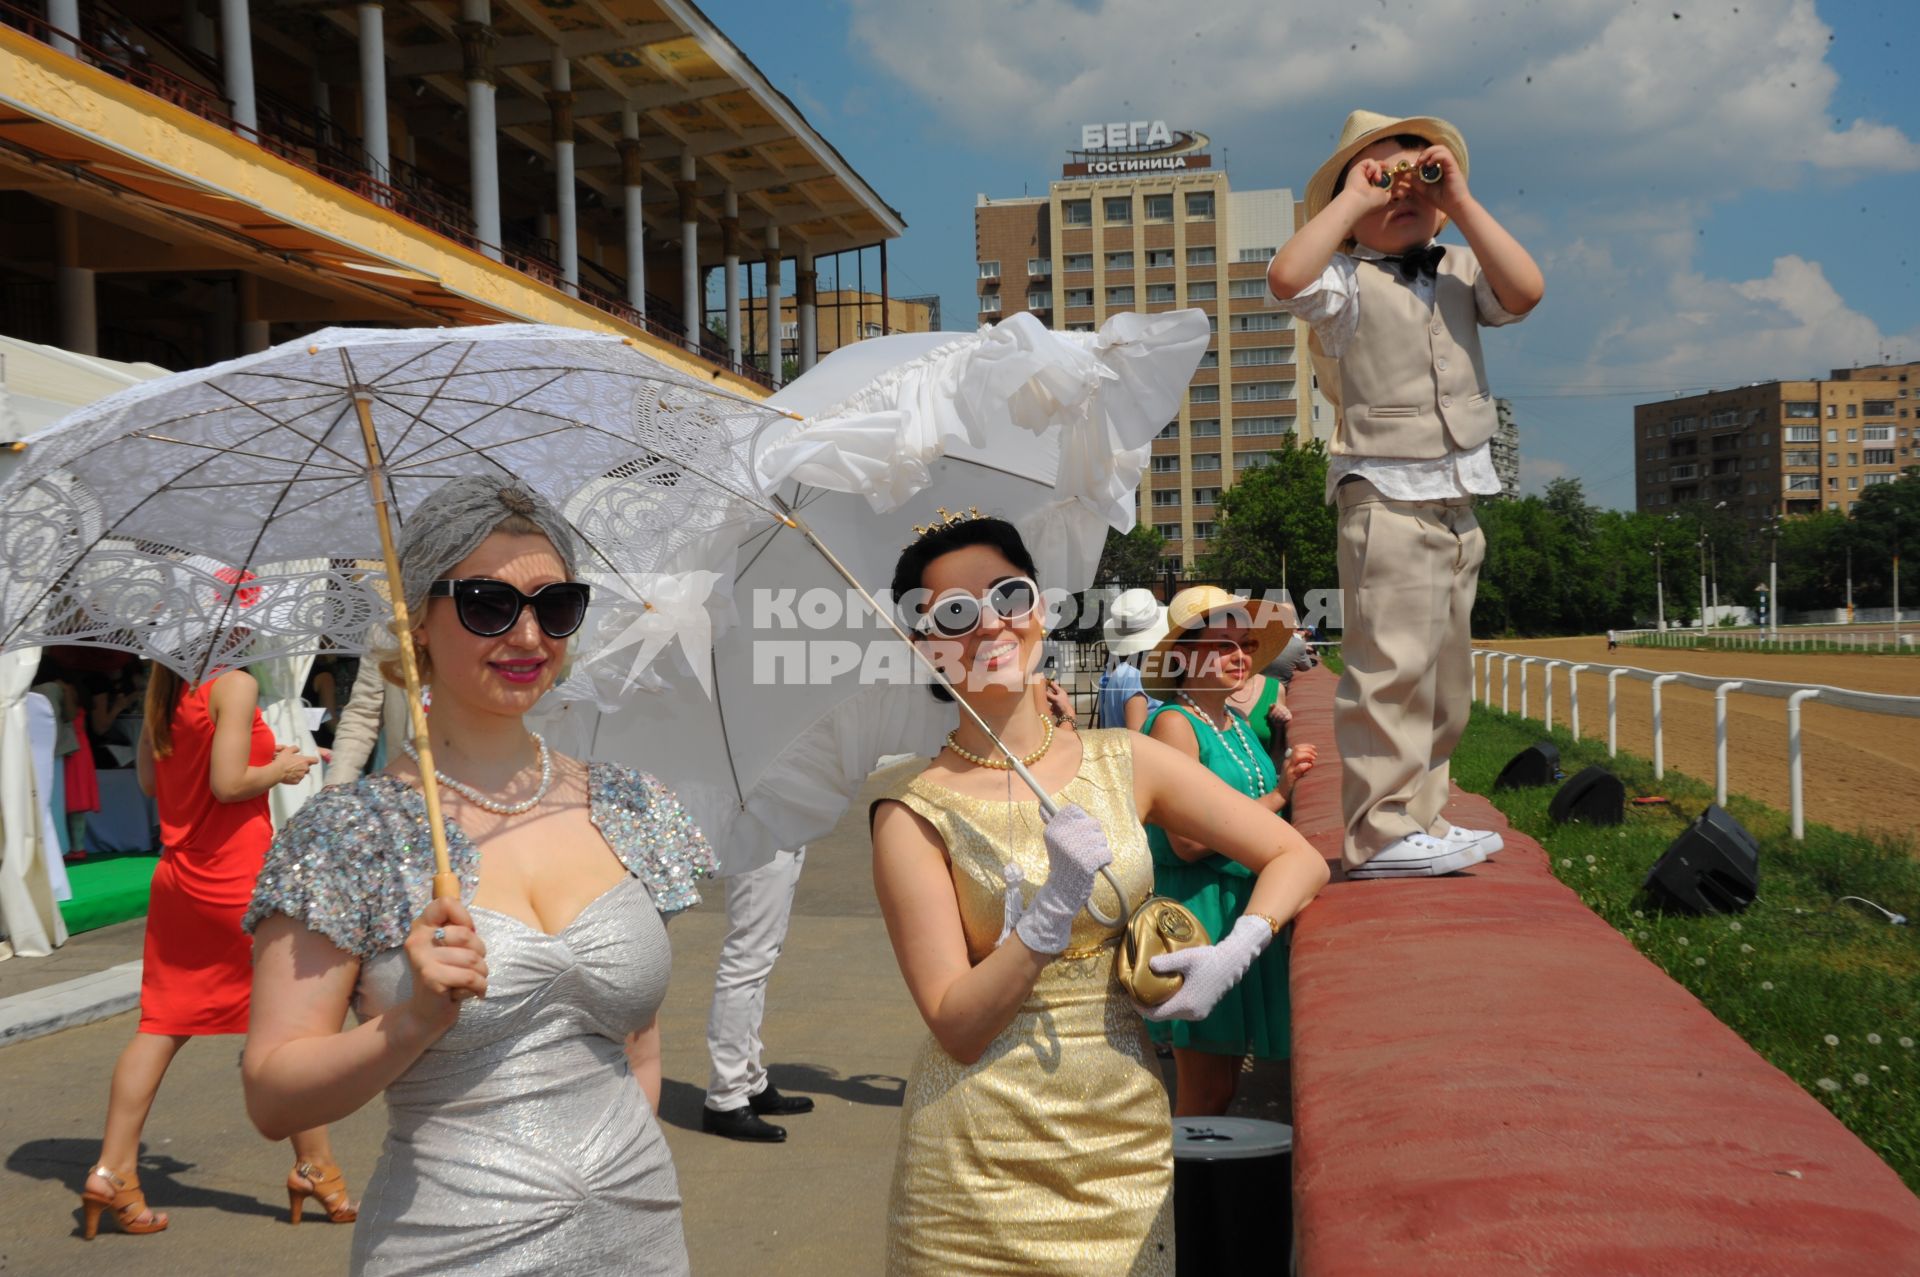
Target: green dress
1253	1016
1258	721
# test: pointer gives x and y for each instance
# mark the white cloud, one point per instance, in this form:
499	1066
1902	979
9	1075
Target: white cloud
1537	472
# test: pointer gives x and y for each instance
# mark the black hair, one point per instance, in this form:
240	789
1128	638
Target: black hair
1413	141
910	570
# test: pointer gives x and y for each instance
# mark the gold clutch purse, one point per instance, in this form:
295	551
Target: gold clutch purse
1160	925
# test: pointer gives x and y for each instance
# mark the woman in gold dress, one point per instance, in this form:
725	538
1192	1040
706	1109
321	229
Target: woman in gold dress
1035	1137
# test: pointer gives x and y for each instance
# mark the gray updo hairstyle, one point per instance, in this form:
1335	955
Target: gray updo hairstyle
451	523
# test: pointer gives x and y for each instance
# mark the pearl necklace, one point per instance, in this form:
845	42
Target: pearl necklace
1249	769
485	803
1003	764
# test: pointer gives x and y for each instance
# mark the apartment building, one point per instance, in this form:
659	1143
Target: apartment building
1779	447
1141	219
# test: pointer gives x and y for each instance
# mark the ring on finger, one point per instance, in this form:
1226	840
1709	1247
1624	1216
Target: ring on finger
439	935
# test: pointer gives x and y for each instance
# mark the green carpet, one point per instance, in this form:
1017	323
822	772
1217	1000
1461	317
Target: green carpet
107	889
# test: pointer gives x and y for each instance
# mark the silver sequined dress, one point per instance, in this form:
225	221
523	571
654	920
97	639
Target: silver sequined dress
519	1142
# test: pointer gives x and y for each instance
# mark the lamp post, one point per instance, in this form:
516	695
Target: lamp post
1659	590
1773	579
1703	581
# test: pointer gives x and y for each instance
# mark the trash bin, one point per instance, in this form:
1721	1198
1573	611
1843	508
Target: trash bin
1227	1173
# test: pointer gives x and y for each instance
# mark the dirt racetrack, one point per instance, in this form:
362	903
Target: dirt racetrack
1861	771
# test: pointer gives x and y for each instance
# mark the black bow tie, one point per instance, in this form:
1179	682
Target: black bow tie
1421	261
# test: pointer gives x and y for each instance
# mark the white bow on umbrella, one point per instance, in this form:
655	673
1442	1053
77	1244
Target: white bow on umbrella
1049	430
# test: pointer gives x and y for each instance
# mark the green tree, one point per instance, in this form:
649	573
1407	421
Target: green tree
1274	526
1885	528
1131	558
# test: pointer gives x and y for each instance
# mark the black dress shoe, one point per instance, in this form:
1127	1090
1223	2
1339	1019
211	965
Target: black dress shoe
770	1103
741	1124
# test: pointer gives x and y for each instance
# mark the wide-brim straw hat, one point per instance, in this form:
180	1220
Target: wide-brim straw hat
1135	622
1362	130
1193	609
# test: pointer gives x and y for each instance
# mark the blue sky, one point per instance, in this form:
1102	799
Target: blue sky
1721	196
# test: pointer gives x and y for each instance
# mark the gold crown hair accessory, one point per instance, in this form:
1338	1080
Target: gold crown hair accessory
944	520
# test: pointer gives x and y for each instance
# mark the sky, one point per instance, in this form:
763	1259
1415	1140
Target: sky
1719	193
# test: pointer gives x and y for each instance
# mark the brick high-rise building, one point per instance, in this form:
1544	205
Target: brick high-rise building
1141	220
1779	447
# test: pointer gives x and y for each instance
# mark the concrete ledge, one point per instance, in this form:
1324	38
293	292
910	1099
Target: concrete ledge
1490	1079
82	1000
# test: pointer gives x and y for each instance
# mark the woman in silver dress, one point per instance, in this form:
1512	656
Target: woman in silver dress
512	1030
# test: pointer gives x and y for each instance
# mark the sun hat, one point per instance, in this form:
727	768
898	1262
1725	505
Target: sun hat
1135	622
1197	606
1362	130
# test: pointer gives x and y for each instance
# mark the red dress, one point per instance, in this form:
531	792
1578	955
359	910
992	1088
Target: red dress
198	972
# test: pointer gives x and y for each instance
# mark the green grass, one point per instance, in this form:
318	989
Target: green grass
1828	992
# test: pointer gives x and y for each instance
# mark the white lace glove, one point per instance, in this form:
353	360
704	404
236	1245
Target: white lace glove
1208	971
1076	851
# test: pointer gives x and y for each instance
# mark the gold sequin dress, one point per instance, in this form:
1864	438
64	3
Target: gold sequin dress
1053	1154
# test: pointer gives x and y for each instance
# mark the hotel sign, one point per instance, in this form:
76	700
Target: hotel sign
1124	147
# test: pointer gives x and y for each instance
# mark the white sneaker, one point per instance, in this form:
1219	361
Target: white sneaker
1419	856
1486	840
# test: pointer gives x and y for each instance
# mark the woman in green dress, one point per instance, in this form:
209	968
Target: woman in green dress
1215	643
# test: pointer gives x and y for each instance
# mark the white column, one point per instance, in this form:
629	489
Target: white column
565	212
483	143
373	90
730	237
73	287
689	253
774	344
806	283
236	61
63	16
635	213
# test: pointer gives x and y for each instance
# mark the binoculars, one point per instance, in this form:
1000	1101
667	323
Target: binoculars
1429	173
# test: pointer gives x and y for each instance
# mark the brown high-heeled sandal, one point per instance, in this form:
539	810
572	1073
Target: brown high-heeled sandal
324	1181
126	1202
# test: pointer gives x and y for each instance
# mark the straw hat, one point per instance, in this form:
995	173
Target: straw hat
1362	130
1193	609
1135	622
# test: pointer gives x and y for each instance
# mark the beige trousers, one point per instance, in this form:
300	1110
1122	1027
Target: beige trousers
1407	575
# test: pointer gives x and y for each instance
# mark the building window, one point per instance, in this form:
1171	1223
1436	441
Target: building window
1119	261
1171	531
1080	327
1257	391
1206	429
1076	212
1257	356
1200	206
1169	431
1213	323
1202	531
1079	297
989	270
1079	261
1157	208
1159	258
1876	434
1122	296
1211	359
1853	410
1833	458
1257	254
1853	458
1203	291
1164	293
1163	497
1201	256
1799	409
1795	482
1878	456
1853	434
1203	394
1833	482
1206	496
1877	408
1687	471
1803	434
1166	465
1260	322
1206	461
989	303
1040	299
1853	481
1766	438
1117	208
1247	460
1801	457
1246	288
1875	480
1039	266
1244	427
1833	409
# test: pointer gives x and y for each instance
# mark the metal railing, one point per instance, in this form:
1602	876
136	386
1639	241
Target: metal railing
1795	695
1820	638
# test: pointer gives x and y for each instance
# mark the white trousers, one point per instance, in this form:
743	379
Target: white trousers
759	906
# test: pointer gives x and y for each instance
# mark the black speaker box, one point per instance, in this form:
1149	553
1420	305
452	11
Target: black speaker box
1535	765
1712	867
1593	797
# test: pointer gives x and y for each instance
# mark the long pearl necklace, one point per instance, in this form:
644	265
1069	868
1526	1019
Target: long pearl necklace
1249	769
1002	764
485	803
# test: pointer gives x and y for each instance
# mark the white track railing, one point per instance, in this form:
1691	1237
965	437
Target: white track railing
1825	638
1795	695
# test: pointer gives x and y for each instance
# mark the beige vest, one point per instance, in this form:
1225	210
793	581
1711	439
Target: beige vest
1413	383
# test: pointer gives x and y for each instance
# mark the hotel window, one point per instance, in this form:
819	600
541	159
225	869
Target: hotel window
1039	266
1117	208
1166	497
1203	291
1877	408
1200	206
1246	288
1157	208
1256	254
1206	461
1166	465
1122	296
1256	391
1202	531
1076	212
1206	496
1079	261
1169	431
1209	360
1244	427
989	270
1159	258
1079	297
1878	456
1803	434
1170	531
1164	293
989	303
1259	355
1259	322
1120	261
1040	299
1203	394
1207	429
1800	409
1202	256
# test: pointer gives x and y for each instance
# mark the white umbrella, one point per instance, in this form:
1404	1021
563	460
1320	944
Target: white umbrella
1050	430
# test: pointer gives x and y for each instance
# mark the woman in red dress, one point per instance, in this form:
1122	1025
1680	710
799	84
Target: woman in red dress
209	760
